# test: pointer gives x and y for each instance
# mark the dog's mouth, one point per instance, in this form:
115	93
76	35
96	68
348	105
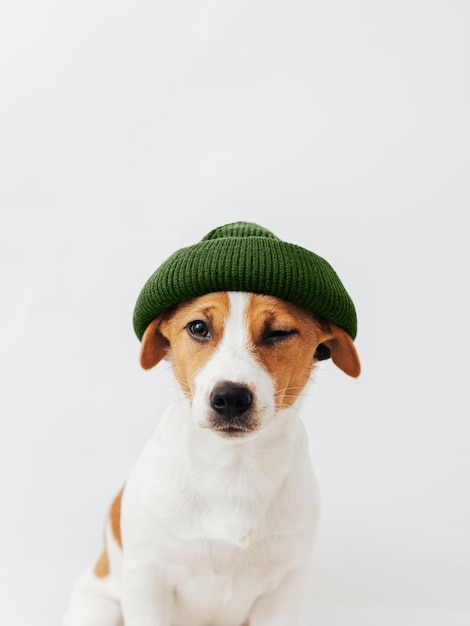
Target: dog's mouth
238	427
230	430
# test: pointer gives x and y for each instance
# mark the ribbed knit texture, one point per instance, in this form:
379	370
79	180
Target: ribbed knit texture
246	257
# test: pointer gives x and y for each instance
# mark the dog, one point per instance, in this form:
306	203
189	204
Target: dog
216	522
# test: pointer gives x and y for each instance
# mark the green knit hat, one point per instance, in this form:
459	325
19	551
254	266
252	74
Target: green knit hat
246	257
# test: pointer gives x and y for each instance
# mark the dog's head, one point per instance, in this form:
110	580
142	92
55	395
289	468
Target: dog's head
241	358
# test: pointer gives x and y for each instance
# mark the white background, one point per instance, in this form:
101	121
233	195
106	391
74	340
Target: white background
131	129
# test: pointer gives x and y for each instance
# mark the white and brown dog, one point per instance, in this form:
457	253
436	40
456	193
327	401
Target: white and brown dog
217	519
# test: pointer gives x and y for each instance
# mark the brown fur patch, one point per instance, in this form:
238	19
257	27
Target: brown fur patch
289	360
190	354
115	518
343	352
102	567
154	346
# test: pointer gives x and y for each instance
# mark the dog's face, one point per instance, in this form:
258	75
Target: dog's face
242	358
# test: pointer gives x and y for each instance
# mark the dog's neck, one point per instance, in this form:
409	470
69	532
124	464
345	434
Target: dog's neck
232	482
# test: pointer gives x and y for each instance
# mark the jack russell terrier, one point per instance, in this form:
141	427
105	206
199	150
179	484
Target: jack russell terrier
216	522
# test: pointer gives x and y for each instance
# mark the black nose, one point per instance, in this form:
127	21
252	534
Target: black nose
231	400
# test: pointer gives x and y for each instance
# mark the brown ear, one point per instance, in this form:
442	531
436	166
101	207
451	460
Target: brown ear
343	351
154	345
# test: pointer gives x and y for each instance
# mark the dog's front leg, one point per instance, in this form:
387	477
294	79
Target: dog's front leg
284	605
145	601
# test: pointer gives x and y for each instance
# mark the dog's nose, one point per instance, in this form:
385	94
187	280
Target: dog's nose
231	400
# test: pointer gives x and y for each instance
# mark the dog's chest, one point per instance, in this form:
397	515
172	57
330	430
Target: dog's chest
225	524
216	582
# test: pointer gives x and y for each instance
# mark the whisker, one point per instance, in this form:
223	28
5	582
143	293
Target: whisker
290	405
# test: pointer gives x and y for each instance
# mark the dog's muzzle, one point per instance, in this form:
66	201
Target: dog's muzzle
231	403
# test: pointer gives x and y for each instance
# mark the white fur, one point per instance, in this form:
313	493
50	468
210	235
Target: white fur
216	531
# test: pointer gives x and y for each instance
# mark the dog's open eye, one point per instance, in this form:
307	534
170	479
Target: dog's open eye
271	335
198	329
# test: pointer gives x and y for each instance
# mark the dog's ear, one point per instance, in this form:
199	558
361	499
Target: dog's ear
154	345
342	349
